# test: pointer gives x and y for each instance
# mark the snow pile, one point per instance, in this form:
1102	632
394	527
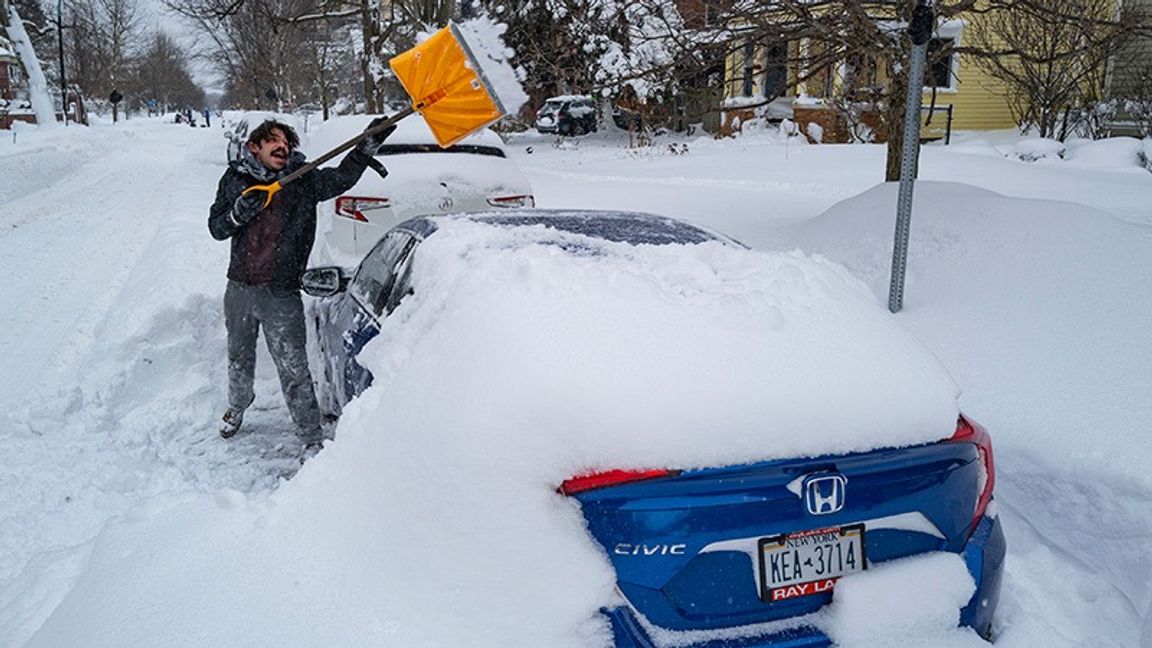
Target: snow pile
1111	152
1037	150
917	597
419	512
1103	153
1041	310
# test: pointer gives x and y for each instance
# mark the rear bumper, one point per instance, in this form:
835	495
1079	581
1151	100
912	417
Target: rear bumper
983	555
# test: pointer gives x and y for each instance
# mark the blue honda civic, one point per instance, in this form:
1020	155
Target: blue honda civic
727	548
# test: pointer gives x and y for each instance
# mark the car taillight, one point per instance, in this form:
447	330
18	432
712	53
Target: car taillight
512	201
969	432
354	206
607	478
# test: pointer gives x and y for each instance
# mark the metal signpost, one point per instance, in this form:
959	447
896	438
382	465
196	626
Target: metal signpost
920	31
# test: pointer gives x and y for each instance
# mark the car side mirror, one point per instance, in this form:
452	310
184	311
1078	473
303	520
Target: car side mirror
323	282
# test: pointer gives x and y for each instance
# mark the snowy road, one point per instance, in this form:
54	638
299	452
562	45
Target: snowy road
73	245
113	343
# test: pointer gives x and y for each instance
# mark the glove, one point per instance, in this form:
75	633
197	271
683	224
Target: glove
247	206
369	145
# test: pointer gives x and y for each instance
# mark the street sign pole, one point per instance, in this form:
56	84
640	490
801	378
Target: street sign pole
920	31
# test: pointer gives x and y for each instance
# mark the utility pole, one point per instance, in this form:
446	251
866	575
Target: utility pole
920	31
60	50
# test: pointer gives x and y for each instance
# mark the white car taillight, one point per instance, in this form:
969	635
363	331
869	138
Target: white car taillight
512	201
354	206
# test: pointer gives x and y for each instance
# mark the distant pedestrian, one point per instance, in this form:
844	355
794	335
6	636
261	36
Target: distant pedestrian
207	119
270	248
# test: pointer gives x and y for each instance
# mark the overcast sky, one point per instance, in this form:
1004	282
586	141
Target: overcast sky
177	27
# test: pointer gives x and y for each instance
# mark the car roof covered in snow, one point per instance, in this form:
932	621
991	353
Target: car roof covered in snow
635	228
411	130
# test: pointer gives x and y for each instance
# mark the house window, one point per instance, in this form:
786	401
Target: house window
749	67
775	77
941	64
860	77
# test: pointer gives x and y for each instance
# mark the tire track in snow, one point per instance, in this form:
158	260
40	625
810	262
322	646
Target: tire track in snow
116	333
77	241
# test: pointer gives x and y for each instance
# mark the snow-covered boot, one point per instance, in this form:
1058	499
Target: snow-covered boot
231	422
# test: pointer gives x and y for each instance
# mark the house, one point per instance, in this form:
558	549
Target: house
14	103
1129	82
829	99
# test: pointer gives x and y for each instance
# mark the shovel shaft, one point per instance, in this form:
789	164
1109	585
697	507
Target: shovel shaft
291	177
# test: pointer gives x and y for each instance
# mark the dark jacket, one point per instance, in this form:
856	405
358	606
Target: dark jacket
272	249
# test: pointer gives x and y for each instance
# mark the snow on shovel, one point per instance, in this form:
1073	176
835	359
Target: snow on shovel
444	80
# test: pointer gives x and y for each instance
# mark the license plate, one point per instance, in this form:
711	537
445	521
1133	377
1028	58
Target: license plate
809	562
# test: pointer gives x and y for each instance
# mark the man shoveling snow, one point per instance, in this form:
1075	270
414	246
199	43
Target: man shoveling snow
272	237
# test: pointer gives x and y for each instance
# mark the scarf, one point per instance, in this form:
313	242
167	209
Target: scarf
250	166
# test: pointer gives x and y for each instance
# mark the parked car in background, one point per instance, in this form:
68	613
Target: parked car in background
238	126
718	550
422	178
567	115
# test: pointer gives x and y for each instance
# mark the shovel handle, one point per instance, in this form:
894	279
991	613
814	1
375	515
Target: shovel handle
270	189
337	151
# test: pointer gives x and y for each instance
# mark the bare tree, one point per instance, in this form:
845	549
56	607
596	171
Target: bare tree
161	74
287	26
1053	56
101	42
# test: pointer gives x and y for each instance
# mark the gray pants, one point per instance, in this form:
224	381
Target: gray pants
281	314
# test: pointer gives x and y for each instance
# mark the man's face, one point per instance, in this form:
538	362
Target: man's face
273	151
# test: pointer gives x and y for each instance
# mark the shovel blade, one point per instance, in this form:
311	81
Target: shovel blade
447	86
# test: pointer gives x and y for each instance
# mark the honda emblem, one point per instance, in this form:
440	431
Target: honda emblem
824	493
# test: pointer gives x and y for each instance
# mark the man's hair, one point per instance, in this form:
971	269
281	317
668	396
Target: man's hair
263	132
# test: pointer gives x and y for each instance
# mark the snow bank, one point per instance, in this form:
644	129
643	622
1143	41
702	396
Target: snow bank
1111	152
1037	150
432	520
1041	310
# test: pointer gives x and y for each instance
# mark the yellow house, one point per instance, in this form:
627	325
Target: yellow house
754	71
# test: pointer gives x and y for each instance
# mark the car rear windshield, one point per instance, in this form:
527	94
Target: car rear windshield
473	149
636	229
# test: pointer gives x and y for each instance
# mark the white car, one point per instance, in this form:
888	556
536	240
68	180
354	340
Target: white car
236	129
422	179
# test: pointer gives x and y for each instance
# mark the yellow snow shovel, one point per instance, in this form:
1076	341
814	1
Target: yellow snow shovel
446	85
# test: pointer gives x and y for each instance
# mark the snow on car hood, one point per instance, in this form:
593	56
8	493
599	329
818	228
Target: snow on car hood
525	356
